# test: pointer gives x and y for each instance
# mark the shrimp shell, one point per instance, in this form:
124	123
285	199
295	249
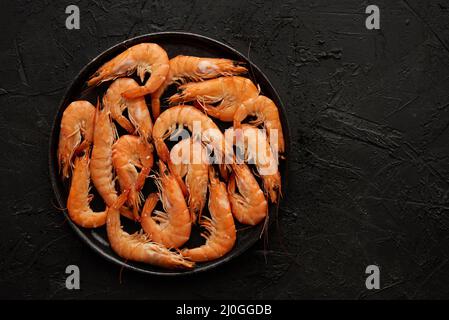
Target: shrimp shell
220	229
267	114
184	68
129	152
258	150
192	163
172	227
77	123
188	116
249	206
137	247
101	159
79	197
140	120
143	57
229	92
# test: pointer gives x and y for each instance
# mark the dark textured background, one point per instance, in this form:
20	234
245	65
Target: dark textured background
369	115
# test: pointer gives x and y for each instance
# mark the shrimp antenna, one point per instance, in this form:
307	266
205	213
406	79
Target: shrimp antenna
250	63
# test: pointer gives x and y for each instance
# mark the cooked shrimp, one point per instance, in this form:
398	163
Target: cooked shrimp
172	227
79	197
267	114
101	160
137	247
77	123
128	153
184	68
220	229
143	57
190	161
249	206
139	116
229	92
258	151
191	118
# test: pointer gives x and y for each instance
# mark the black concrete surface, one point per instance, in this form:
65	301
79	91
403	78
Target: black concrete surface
369	116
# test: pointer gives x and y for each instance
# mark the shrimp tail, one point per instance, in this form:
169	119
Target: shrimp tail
148	208
175	99
126	124
237	68
121	200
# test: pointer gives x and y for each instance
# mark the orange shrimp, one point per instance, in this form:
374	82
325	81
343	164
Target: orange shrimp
77	123
79	197
143	57
229	92
249	206
137	246
220	229
258	151
172	227
184	68
190	161
128	153
267	113
139	116
101	159
190	117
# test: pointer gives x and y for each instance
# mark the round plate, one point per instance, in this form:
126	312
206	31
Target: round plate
175	43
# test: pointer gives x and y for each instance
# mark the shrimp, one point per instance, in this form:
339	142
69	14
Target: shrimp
129	152
258	151
137	108
143	57
250	206
267	113
137	246
184	68
220	229
101	159
79	197
191	118
229	92
172	227
190	160
77	123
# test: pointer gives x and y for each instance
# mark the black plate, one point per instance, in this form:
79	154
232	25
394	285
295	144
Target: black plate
174	43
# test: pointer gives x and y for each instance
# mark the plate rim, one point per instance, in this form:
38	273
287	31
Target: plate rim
149	37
